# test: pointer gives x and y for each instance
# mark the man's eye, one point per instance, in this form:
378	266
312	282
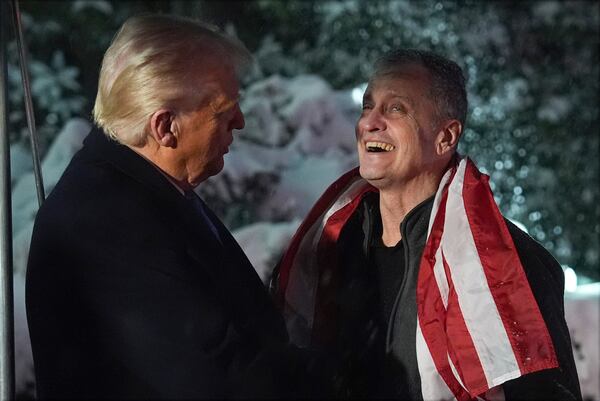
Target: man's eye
367	106
397	109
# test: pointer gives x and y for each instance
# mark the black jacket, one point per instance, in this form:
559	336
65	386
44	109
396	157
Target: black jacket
129	295
363	347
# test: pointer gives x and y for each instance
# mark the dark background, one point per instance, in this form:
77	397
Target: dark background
532	70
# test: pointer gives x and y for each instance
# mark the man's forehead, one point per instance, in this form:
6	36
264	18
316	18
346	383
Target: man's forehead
405	83
226	100
219	78
222	100
388	89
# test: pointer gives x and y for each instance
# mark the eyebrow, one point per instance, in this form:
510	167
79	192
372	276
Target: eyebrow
222	105
390	93
396	95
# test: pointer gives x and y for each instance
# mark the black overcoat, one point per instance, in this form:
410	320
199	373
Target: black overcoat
129	294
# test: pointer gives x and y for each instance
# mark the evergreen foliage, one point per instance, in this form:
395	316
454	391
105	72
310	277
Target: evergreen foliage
532	69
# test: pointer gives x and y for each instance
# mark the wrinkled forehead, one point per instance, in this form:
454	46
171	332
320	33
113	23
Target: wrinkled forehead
210	83
218	81
409	82
400	69
402	72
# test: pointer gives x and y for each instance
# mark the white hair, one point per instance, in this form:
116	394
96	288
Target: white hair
151	64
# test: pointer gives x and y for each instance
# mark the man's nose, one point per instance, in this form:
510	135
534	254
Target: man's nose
238	121
371	122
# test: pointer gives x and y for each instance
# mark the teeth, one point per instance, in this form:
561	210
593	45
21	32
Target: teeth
379	147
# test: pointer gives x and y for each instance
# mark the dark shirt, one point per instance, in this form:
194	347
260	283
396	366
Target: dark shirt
387	266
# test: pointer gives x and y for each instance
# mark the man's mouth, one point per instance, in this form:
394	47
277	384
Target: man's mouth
379	147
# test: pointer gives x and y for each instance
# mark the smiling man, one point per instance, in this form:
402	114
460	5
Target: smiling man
135	289
406	273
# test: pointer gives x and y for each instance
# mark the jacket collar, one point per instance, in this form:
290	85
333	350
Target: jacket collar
413	227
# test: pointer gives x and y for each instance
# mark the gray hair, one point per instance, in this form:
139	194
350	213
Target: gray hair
151	64
447	90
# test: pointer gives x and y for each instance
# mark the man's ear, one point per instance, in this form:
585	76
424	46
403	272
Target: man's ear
161	128
448	137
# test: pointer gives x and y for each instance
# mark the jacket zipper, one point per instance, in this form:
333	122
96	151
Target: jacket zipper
388	337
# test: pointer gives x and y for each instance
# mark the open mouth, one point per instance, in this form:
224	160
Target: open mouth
379	147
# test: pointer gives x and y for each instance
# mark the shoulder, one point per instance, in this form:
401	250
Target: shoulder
92	183
94	199
539	264
356	228
546	279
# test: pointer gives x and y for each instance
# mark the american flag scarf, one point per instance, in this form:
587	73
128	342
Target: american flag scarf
478	324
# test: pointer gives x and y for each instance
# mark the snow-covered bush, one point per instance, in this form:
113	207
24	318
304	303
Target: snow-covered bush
296	141
532	82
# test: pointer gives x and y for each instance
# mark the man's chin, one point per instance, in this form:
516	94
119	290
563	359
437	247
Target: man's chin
209	171
370	174
375	178
217	167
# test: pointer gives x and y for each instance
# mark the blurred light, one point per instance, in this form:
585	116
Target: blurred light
358	93
589	289
520	225
570	279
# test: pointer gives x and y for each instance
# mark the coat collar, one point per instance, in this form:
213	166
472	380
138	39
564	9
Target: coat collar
126	160
413	227
177	208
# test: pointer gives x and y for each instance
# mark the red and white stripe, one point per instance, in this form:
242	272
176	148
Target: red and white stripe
302	273
478	322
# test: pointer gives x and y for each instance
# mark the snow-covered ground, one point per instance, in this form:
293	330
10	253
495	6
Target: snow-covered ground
301	134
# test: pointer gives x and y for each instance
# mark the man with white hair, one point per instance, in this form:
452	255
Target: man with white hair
135	289
405	271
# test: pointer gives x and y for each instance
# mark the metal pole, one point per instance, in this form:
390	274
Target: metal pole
7	357
37	170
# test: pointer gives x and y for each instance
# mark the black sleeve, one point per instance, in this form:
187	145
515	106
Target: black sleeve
546	279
